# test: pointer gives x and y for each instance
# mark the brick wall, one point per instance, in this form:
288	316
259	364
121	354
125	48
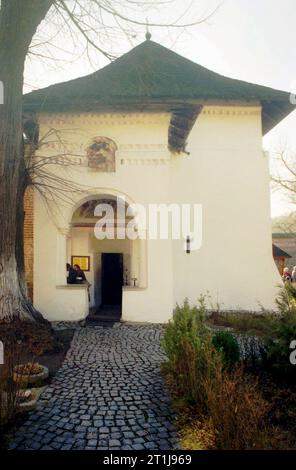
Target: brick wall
29	240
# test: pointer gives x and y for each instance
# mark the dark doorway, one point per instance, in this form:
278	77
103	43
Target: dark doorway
112	279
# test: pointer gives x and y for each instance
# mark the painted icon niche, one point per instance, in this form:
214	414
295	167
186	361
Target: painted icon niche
101	154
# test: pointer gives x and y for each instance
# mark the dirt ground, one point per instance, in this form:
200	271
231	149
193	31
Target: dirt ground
54	359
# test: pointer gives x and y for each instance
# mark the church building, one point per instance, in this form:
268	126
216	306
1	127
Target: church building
151	129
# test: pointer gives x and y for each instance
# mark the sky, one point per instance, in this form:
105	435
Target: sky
252	40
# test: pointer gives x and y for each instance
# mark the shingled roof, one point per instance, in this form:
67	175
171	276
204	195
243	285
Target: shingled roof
152	75
279	253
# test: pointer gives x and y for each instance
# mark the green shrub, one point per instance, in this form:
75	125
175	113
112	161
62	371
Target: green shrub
201	385
188	324
281	332
192	357
277	345
228	345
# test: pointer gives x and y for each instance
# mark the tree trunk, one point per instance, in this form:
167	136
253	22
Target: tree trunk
18	22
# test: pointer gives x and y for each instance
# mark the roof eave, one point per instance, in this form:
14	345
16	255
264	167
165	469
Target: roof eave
273	111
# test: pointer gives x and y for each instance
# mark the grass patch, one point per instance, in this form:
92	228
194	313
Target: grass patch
197	435
258	324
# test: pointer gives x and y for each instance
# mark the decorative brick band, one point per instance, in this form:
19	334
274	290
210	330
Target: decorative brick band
29	239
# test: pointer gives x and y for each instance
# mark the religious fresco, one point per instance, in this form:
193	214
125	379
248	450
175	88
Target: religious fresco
101	154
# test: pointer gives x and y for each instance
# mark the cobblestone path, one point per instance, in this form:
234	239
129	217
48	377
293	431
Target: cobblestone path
108	394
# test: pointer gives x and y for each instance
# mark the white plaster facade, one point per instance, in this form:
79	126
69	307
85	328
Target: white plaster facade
226	172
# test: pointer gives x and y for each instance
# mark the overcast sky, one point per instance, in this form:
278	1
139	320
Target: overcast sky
253	40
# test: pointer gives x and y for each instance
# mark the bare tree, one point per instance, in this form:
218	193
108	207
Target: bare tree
19	20
284	180
18	23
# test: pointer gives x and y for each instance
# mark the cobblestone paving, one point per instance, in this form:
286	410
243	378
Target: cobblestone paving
108	394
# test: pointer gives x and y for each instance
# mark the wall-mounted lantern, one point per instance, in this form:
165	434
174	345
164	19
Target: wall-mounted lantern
188	244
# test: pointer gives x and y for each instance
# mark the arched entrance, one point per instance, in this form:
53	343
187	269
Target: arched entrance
110	262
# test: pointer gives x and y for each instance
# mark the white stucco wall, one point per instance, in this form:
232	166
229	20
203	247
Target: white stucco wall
226	172
142	175
52	297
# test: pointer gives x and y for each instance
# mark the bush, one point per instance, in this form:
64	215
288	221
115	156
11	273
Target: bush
281	332
228	402
188	324
36	338
191	354
237	411
286	299
228	345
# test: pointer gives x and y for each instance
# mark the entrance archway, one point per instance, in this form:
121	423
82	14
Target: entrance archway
111	263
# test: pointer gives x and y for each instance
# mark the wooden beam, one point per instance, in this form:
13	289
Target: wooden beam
182	121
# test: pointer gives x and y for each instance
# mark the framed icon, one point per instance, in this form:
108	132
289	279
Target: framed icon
82	261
